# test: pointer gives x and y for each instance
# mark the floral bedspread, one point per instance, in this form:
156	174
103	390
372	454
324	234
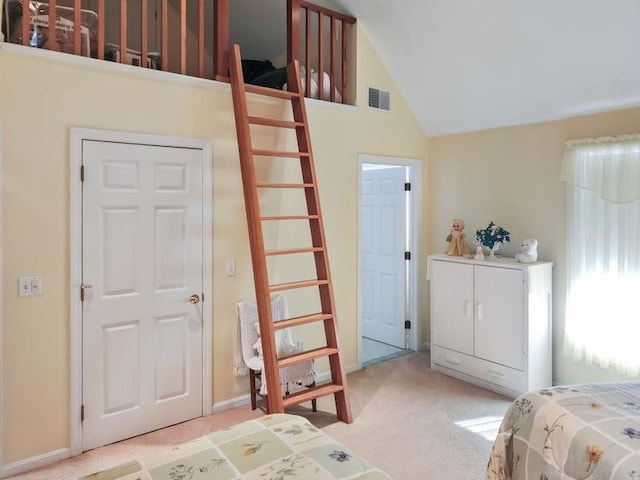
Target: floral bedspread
575	432
274	447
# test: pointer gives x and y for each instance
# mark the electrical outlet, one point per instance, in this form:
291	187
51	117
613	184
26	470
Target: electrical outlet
30	286
36	286
24	286
230	268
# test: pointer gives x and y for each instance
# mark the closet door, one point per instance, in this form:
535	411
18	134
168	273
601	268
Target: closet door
452	306
499	315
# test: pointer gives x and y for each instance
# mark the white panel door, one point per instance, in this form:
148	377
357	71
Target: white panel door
499	332
142	256
383	243
452	306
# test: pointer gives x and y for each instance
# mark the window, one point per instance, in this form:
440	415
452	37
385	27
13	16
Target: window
602	321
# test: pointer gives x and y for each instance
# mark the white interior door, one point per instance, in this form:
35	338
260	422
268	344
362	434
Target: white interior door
142	240
382	247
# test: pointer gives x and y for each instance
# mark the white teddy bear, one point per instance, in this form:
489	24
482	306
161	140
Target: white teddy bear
529	251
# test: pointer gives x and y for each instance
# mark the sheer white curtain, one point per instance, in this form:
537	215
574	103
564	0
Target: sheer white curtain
602	320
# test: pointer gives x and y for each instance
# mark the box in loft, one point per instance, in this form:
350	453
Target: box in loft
134	57
39	34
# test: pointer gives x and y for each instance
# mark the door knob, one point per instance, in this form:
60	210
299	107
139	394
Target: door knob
195	298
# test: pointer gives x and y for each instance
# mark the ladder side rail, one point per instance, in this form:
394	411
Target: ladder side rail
256	240
313	201
327	302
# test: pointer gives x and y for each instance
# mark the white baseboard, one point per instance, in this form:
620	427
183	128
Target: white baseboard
350	369
231	403
34	462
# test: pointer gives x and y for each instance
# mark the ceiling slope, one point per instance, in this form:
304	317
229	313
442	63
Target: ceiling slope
466	65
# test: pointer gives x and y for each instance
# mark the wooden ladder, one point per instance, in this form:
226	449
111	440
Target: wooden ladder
337	384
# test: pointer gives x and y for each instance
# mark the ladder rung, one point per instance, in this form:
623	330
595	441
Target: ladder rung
311	393
284	185
292	251
290	217
270	92
280	153
295	321
272	122
293	285
306	356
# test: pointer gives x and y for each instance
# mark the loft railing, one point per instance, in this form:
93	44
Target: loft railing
190	37
319	39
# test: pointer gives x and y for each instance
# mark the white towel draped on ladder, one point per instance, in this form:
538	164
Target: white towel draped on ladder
291	378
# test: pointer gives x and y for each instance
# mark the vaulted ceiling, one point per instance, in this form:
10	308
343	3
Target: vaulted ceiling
466	65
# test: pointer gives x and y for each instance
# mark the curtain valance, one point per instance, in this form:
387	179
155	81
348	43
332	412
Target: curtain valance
609	166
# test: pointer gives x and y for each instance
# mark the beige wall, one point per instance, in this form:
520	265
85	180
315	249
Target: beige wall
40	99
508	175
512	176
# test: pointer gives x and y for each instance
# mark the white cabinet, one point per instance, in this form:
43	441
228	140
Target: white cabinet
491	322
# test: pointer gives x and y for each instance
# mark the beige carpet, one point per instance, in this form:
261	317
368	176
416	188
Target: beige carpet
409	421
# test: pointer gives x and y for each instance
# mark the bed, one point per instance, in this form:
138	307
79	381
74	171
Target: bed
273	447
576	432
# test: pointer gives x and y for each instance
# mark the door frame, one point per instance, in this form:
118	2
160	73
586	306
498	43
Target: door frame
415	178
77	136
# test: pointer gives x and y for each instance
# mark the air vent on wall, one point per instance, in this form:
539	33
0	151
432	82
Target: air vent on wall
378	98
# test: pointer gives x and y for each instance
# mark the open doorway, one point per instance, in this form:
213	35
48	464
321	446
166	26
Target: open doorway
387	258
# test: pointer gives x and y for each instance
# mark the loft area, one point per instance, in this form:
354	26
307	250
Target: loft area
193	38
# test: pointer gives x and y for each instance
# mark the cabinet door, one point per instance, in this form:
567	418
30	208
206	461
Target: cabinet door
499	310
452	306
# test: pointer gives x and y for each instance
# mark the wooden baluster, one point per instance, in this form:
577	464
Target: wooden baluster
332	60
320	55
77	27
221	40
201	38
144	32
52	42
183	37
344	62
101	32
164	40
123	31
293	30
26	15
307	53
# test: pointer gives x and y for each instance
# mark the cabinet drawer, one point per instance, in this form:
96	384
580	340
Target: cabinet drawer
500	375
453	360
484	372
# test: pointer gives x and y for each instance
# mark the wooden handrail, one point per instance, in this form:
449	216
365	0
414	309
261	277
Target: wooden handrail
329	13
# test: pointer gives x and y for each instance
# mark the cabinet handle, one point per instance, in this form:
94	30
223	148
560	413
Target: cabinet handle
496	374
452	361
478	311
467	309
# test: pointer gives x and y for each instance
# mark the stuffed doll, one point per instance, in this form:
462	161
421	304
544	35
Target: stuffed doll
457	245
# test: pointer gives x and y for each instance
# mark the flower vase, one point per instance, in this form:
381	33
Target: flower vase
493	250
